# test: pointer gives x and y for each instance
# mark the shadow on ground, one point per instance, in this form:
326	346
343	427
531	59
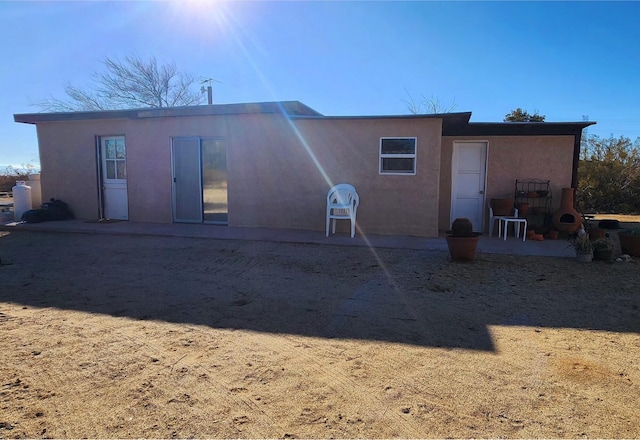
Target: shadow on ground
398	296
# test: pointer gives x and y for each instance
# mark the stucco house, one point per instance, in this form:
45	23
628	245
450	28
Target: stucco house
271	164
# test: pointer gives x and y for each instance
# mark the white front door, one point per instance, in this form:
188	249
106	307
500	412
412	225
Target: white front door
114	177
468	182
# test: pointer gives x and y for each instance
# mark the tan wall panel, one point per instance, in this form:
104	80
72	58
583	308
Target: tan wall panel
280	173
149	161
68	166
511	158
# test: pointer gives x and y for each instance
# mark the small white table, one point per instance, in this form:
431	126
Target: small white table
518	221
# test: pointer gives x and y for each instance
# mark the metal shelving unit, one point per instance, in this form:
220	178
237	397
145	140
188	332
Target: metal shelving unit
537	193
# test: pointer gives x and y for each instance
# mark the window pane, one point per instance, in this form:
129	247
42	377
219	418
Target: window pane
111	150
214	180
398	146
120	150
398	165
122	171
111	169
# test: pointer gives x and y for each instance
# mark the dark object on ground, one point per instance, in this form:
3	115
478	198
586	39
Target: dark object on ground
609	224
51	210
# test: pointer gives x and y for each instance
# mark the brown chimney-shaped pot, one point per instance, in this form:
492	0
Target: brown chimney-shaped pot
567	219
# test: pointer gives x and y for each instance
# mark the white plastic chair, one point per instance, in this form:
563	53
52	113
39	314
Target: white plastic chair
500	218
342	204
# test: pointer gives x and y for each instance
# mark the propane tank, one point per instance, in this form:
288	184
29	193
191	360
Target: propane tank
21	199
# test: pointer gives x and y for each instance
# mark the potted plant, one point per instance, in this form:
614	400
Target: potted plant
584	249
602	249
630	241
595	233
462	242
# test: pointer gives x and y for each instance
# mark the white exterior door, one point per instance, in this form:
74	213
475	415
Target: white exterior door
114	177
468	182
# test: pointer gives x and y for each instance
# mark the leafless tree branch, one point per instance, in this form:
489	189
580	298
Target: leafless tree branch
130	83
429	105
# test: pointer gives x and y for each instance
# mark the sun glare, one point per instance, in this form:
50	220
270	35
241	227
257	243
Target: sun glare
204	17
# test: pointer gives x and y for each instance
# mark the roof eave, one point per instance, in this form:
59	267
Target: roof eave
285	107
516	128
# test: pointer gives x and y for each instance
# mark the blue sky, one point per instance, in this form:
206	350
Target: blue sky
564	59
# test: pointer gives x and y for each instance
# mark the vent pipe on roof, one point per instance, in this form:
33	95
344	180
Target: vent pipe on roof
209	89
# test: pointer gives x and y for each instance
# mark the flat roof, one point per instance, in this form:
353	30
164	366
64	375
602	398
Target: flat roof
287	107
516	128
453	124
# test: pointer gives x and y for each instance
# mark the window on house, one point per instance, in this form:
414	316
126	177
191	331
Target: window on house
398	155
115	158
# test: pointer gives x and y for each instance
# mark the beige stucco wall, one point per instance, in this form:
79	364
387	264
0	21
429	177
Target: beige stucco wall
280	173
510	158
69	165
279	170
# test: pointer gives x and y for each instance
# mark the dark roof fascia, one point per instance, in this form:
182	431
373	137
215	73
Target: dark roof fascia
292	108
516	128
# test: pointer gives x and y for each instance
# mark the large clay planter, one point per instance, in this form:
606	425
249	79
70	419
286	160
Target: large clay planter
629	243
502	206
462	248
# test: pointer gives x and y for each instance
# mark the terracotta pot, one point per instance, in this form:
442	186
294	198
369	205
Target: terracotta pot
630	244
462	248
523	209
502	206
596	233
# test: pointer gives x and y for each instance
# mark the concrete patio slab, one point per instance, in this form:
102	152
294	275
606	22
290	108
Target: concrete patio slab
489	245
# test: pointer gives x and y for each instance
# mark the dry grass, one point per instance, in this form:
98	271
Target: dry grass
623	218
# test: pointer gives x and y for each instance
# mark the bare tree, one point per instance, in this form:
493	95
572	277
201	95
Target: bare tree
132	83
428	105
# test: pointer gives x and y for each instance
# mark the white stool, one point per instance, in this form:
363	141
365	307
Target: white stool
517	221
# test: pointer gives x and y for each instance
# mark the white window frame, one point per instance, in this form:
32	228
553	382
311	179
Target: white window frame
413	156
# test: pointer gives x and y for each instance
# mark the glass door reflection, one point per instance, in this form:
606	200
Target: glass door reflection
214	181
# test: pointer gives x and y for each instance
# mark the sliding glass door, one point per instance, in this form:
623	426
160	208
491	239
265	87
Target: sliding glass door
214	181
199	180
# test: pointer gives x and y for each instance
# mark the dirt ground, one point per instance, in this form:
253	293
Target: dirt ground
128	336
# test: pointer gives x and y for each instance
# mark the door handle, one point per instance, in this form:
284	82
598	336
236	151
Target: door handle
481	192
